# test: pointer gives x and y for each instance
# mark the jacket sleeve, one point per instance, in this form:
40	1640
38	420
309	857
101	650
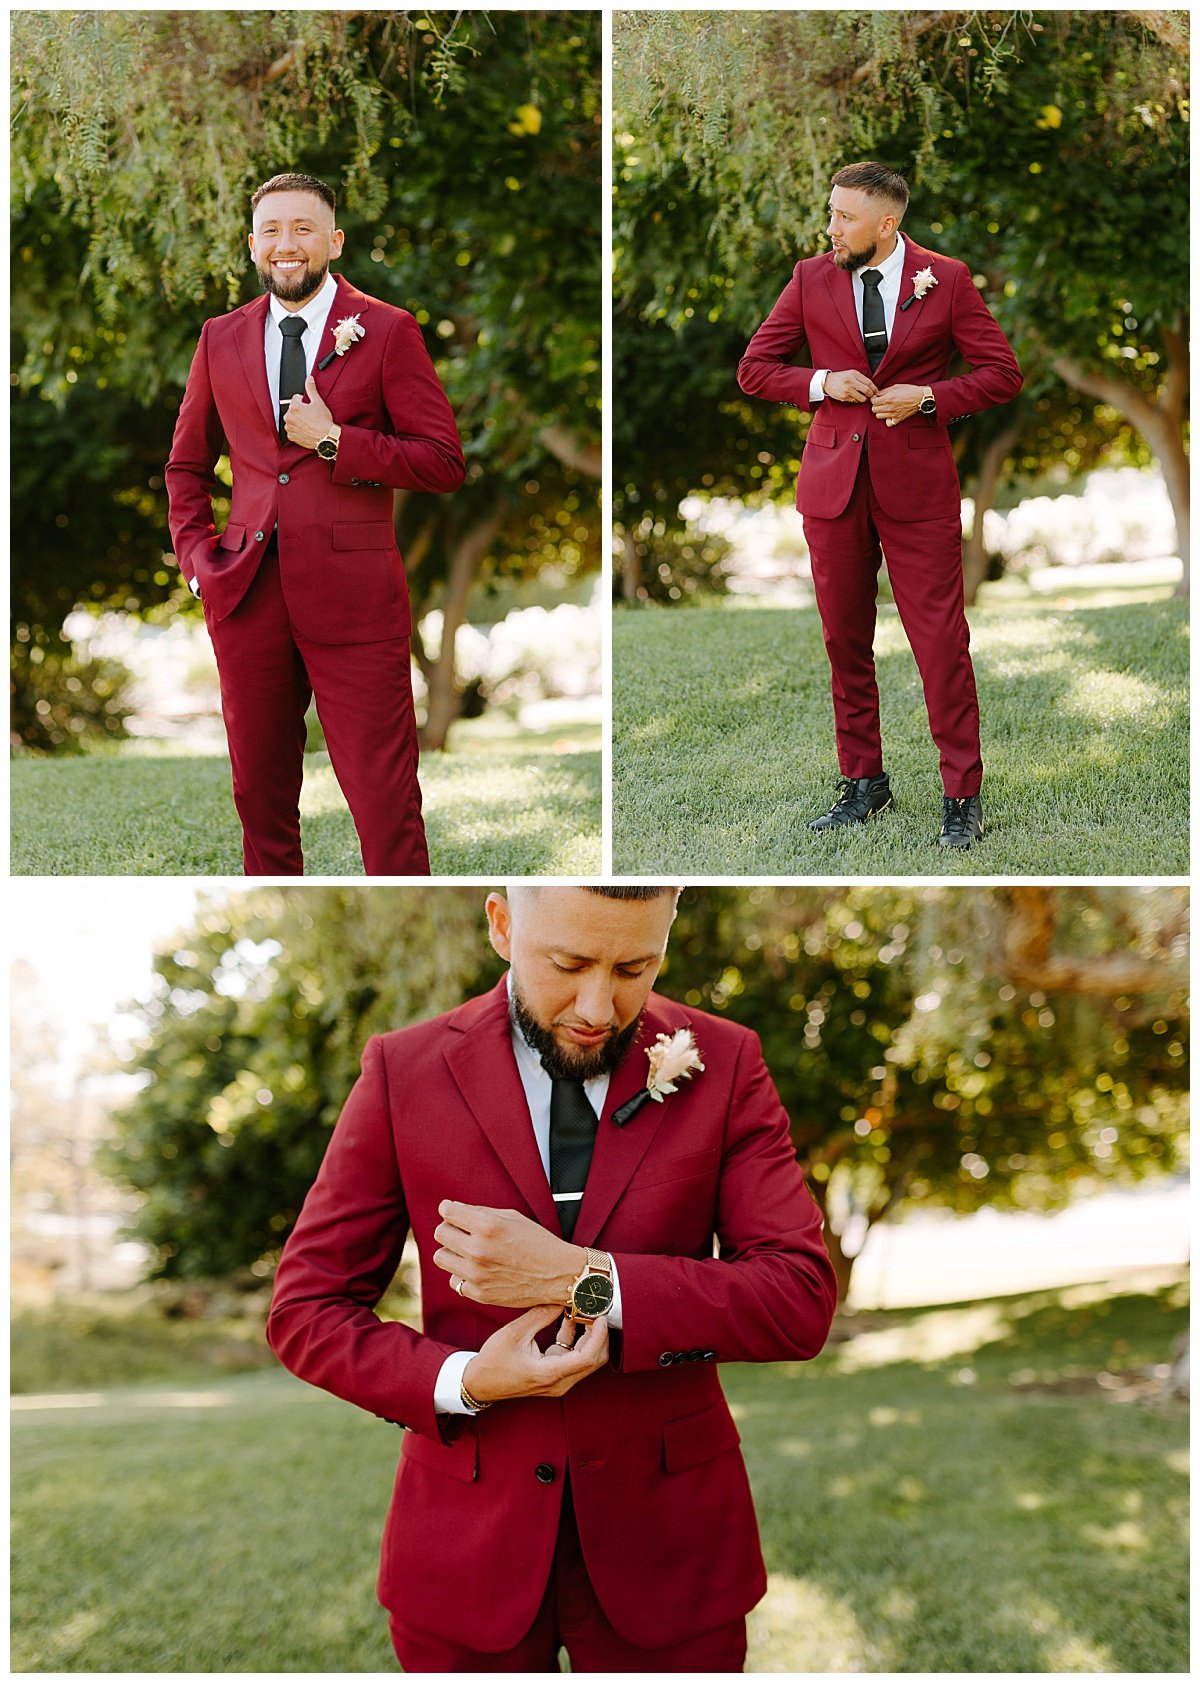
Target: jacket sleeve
766	370
770	1293
339	1261
422	452
190	472
980	341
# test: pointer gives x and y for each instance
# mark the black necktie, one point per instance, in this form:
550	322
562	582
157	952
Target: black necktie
874	331
292	367
572	1138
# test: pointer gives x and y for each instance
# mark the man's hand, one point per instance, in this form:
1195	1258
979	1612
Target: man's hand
897	403
307	423
850	386
511	1364
502	1257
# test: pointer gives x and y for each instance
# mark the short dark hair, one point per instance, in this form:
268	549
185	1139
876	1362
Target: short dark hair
632	893
877	180
291	182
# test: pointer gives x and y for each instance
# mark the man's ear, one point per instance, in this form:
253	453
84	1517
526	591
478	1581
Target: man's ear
499	916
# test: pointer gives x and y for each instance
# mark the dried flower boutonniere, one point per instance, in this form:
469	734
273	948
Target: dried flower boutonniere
672	1059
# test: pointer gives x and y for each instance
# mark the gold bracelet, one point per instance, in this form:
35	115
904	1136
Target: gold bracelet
472	1403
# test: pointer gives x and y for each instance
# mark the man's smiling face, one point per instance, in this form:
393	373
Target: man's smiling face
293	244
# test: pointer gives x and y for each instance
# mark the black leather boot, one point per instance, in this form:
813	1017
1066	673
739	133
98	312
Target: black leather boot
860	798
962	821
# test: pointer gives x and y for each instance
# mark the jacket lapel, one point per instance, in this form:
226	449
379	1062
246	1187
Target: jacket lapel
915	258
249	336
481	1062
348	302
619	1151
841	290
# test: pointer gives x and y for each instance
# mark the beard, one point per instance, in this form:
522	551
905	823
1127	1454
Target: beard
295	288
852	260
580	1063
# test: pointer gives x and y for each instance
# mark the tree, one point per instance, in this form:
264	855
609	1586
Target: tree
1016	119
466	152
953	1048
251	1045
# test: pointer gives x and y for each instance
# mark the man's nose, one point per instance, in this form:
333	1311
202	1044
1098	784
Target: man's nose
594	1002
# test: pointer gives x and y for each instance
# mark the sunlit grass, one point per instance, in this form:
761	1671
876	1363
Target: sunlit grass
723	744
920	1512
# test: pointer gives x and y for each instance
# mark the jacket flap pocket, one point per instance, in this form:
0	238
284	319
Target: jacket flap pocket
823	435
678	1168
459	1459
363	534
698	1438
233	537
928	438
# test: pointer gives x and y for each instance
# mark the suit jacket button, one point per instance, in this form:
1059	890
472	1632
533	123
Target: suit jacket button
258	537
695	1355
283	478
679	1356
665	1359
709	1356
854	437
544	1472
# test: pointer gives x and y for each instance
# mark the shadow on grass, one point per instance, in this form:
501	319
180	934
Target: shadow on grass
724	747
928	1516
523	812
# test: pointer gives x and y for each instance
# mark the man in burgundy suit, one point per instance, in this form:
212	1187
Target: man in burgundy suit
327	402
583	1489
879	319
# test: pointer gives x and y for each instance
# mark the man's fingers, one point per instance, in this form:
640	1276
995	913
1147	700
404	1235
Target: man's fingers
594	1343
536	1320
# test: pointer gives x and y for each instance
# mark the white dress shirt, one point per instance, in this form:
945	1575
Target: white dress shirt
892	271
447	1392
316	314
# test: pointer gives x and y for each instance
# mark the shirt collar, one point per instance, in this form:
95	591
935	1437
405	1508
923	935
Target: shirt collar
316	308
890	265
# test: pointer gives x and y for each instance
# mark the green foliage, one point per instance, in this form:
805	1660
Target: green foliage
465	149
675	565
252	1044
915	1069
59	703
1045	149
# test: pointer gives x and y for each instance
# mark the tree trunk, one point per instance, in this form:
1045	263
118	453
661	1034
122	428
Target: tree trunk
843	1265
631	570
444	700
1159	422
974	548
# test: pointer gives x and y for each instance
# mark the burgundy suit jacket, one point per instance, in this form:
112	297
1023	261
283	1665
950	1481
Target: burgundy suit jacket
912	464
341	571
660	1491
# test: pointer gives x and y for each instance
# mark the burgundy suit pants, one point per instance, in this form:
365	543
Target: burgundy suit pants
924	559
571	1617
363	691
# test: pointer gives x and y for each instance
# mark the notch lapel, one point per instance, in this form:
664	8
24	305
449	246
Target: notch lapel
250	338
841	290
619	1151
348	302
481	1062
915	258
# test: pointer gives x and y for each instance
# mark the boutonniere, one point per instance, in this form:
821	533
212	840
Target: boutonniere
922	281
347	331
672	1059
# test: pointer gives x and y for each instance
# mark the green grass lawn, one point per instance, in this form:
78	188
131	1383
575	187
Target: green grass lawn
723	744
951	1490
501	801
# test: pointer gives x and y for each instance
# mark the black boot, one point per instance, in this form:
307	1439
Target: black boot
962	821
860	798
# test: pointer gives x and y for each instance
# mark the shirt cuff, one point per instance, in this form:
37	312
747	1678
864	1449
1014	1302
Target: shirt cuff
614	1314
194	587
816	386
447	1390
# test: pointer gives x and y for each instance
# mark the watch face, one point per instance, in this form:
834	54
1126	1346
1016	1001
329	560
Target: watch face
593	1296
327	449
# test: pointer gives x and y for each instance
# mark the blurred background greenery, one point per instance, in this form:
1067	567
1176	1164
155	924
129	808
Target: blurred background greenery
1048	150
465	151
986	1468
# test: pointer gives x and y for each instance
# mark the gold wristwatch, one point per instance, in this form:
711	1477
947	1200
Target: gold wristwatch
327	447
592	1293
